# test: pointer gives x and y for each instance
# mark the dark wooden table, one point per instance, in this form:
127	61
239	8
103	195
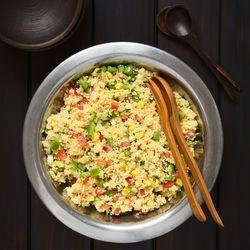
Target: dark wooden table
223	30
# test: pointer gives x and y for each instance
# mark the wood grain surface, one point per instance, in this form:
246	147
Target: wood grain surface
222	27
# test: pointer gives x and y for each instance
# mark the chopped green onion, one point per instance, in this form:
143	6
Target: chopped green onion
95	200
95	172
109	140
104	69
171	169
128	70
85	175
88	151
135	96
112	69
127	152
109	193
156	136
134	190
74	165
181	115
111	86
100	183
82	83
99	71
54	145
87	90
121	68
81	166
91	129
103	123
128	110
156	176
92	117
126	86
168	178
142	163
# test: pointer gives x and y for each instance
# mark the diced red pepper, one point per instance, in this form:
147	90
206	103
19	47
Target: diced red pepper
139	147
80	106
106	206
114	190
82	140
115	198
165	154
83	196
138	118
85	100
142	192
125	117
127	99
86	180
106	163
70	132
115	105
75	90
117	211
74	179
101	137
125	144
61	155
128	180
98	191
176	175
168	184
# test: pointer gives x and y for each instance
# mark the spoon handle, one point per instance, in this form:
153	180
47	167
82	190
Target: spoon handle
214	68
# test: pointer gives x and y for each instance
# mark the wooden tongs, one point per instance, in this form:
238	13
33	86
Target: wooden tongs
167	110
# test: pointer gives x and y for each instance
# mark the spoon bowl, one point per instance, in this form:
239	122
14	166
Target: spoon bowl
178	21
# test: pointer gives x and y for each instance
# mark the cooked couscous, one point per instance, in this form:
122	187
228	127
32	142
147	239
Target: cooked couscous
106	143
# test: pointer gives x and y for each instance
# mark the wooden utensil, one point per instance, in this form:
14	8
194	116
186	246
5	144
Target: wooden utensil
176	22
163	113
176	128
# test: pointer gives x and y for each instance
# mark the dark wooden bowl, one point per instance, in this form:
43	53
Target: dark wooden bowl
38	24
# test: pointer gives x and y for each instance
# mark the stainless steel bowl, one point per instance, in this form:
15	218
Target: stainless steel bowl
43	103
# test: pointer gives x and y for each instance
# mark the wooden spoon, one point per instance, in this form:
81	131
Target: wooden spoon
175	125
176	22
163	113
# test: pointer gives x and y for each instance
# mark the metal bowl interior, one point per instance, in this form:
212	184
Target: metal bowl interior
47	100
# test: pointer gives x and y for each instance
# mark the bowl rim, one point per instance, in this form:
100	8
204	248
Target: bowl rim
196	89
